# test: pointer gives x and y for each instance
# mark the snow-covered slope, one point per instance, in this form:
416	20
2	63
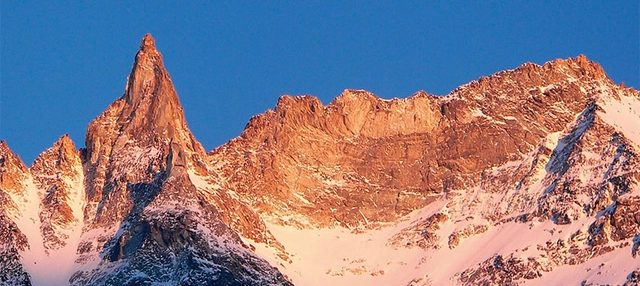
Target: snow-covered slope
46	206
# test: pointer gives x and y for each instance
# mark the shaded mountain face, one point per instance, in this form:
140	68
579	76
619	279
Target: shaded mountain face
527	175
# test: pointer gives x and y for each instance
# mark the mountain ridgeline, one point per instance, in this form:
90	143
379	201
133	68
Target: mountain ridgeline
527	176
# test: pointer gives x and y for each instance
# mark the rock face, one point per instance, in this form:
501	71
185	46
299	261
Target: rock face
525	175
341	164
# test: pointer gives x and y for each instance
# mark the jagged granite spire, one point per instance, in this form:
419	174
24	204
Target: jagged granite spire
141	136
149	109
12	170
144	215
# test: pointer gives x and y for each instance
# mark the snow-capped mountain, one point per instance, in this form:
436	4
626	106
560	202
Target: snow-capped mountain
528	176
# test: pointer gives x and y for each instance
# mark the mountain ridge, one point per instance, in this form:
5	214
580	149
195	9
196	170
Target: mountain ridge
423	178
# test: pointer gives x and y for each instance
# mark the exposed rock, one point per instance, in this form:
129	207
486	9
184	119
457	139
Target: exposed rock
361	153
12	240
498	270
13	179
472	229
633	279
620	221
421	234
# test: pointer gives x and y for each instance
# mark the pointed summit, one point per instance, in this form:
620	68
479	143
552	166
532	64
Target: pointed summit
60	160
578	67
149	111
8	157
58	173
139	139
65	145
148	44
12	170
148	75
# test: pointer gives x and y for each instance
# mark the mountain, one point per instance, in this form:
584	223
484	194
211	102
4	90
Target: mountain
531	165
527	176
123	210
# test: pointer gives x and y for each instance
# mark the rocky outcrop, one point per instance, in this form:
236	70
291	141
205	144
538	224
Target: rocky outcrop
458	235
14	176
618	222
133	139
177	238
633	278
421	234
499	270
12	242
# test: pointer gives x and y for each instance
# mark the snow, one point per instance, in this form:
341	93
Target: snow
623	114
29	224
478	113
552	140
609	269
339	256
50	267
301	198
545	88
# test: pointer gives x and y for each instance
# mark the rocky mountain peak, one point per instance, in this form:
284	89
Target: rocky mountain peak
59	161
580	65
138	141
12	170
148	44
149	86
65	142
62	148
529	78
538	165
138	169
8	157
149	111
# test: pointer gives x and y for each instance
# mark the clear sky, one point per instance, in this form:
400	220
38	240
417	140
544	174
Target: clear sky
63	63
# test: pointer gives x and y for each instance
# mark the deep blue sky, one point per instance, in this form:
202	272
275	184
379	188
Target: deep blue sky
63	63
